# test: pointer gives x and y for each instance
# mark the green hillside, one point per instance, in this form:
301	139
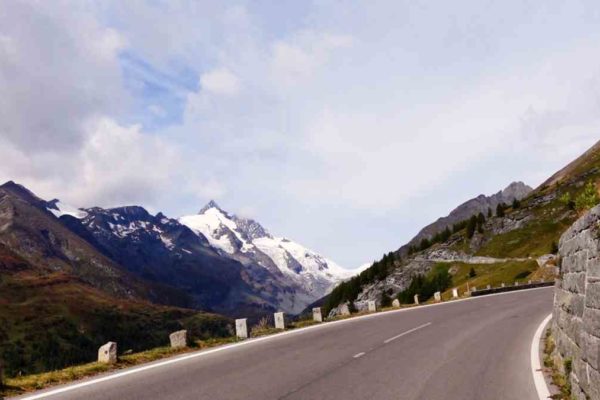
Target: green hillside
49	320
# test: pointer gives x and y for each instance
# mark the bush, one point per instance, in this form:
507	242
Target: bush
588	198
472	273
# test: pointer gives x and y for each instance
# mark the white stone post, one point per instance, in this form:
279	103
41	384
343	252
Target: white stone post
416	299
344	309
107	354
437	296
241	328
396	303
317	316
179	339
372	306
529	283
474	289
516	283
489	287
455	293
502	285
279	320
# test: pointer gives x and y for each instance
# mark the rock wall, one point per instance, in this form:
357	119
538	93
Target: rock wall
576	322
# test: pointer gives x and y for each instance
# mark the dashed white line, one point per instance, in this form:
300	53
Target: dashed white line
359	355
406	333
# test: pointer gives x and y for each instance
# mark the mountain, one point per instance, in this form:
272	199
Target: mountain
481	203
61	297
307	274
510	245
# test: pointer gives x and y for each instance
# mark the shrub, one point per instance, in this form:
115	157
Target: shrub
472	273
588	198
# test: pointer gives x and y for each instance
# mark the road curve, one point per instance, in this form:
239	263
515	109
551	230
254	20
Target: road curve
474	349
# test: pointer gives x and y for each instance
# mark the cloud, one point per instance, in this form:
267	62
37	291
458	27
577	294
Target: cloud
331	127
296	59
52	78
220	81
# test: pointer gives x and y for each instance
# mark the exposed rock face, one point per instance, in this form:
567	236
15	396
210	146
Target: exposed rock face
576	317
179	339
107	354
516	190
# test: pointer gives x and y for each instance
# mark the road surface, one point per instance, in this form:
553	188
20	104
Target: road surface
477	349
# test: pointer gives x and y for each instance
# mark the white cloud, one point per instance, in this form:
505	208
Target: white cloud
314	117
220	81
297	58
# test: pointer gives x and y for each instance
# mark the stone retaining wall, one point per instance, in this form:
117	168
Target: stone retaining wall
576	322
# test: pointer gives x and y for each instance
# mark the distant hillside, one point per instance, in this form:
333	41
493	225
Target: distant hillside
50	319
480	204
507	239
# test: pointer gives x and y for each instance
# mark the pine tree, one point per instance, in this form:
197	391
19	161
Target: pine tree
489	213
500	210
472	273
471	226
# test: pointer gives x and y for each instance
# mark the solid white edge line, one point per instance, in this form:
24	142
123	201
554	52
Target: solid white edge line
406	333
358	355
536	367
134	370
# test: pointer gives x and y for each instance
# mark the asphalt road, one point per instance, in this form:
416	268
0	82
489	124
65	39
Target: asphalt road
476	349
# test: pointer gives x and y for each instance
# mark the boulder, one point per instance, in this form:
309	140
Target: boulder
396	303
107	354
179	339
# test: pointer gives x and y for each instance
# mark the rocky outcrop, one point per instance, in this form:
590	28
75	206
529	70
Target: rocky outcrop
576	322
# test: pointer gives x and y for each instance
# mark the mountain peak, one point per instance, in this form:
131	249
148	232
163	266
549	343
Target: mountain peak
208	206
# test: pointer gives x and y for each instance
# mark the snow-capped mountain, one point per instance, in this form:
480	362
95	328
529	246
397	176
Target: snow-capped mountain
249	242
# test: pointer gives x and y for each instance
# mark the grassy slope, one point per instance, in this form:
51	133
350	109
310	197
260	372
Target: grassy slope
50	320
486	274
550	219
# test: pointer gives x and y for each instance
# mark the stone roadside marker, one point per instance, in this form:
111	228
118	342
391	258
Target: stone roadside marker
372	306
516	283
455	293
502	285
474	289
396	303
279	320
437	296
344	309
179	339
317	316
107	354
241	328
416	299
489	287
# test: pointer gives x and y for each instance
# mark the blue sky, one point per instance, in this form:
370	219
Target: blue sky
346	126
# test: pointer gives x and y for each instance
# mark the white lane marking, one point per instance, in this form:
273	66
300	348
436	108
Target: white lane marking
359	355
406	333
536	368
202	353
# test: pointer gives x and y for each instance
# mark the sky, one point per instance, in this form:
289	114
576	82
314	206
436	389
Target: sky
346	126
